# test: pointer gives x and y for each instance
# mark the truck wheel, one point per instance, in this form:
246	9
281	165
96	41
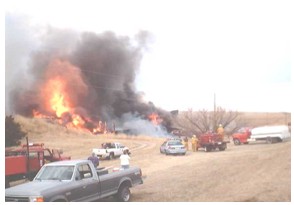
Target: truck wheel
7	184
223	147
124	193
237	142
269	140
111	156
207	148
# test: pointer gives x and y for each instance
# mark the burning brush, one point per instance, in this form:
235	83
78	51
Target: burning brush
89	83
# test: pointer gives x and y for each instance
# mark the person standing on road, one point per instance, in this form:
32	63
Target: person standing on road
194	143
220	131
125	160
94	159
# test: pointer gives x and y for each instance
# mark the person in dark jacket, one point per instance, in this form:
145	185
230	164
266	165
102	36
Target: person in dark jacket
94	159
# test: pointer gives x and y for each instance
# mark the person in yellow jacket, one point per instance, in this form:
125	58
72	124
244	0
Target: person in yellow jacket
194	143
220	130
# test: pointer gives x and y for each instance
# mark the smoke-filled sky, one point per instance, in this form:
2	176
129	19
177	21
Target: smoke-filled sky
177	54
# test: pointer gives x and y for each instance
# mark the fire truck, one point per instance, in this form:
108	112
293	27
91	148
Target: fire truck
25	161
211	141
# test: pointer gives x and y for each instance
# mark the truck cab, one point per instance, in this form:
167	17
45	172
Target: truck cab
242	136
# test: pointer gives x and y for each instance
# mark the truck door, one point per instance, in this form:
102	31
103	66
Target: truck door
120	149
89	186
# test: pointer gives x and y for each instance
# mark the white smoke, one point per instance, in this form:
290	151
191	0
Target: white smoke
134	124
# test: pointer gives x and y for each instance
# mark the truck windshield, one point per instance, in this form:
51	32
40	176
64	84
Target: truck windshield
56	173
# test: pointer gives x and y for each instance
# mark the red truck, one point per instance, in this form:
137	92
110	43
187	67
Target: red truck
211	141
25	161
242	136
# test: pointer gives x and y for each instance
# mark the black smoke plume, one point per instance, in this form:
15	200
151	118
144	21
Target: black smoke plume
105	64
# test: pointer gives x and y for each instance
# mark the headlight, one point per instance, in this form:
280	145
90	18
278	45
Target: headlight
36	199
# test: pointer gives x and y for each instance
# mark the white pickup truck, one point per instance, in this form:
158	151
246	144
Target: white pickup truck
110	150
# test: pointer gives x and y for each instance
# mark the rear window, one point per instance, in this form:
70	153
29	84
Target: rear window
176	142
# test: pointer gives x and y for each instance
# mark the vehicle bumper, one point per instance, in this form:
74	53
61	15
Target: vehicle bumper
178	151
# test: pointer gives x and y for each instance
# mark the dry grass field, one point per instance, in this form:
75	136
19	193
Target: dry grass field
247	173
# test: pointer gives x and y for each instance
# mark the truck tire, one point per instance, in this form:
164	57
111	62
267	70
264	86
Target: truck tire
111	156
7	183
124	193
269	140
222	147
236	142
207	148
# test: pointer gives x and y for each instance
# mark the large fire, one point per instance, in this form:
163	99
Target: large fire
59	99
62	87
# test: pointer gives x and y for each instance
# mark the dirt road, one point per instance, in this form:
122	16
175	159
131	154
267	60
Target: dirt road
254	172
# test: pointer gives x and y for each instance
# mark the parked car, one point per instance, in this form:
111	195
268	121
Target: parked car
173	147
75	180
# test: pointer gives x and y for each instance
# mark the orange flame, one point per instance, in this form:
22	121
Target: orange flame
155	119
37	114
58	103
77	120
59	93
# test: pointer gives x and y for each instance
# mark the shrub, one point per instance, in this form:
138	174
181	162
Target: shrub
13	132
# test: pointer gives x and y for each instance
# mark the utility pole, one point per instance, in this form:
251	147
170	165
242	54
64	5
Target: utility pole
28	158
214	111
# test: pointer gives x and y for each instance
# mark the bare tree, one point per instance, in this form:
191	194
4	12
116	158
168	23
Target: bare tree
203	120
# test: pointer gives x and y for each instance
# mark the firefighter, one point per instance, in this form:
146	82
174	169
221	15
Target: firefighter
194	143
220	131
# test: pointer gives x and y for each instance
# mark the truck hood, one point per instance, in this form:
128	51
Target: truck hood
35	188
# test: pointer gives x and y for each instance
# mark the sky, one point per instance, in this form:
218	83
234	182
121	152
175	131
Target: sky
237	51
